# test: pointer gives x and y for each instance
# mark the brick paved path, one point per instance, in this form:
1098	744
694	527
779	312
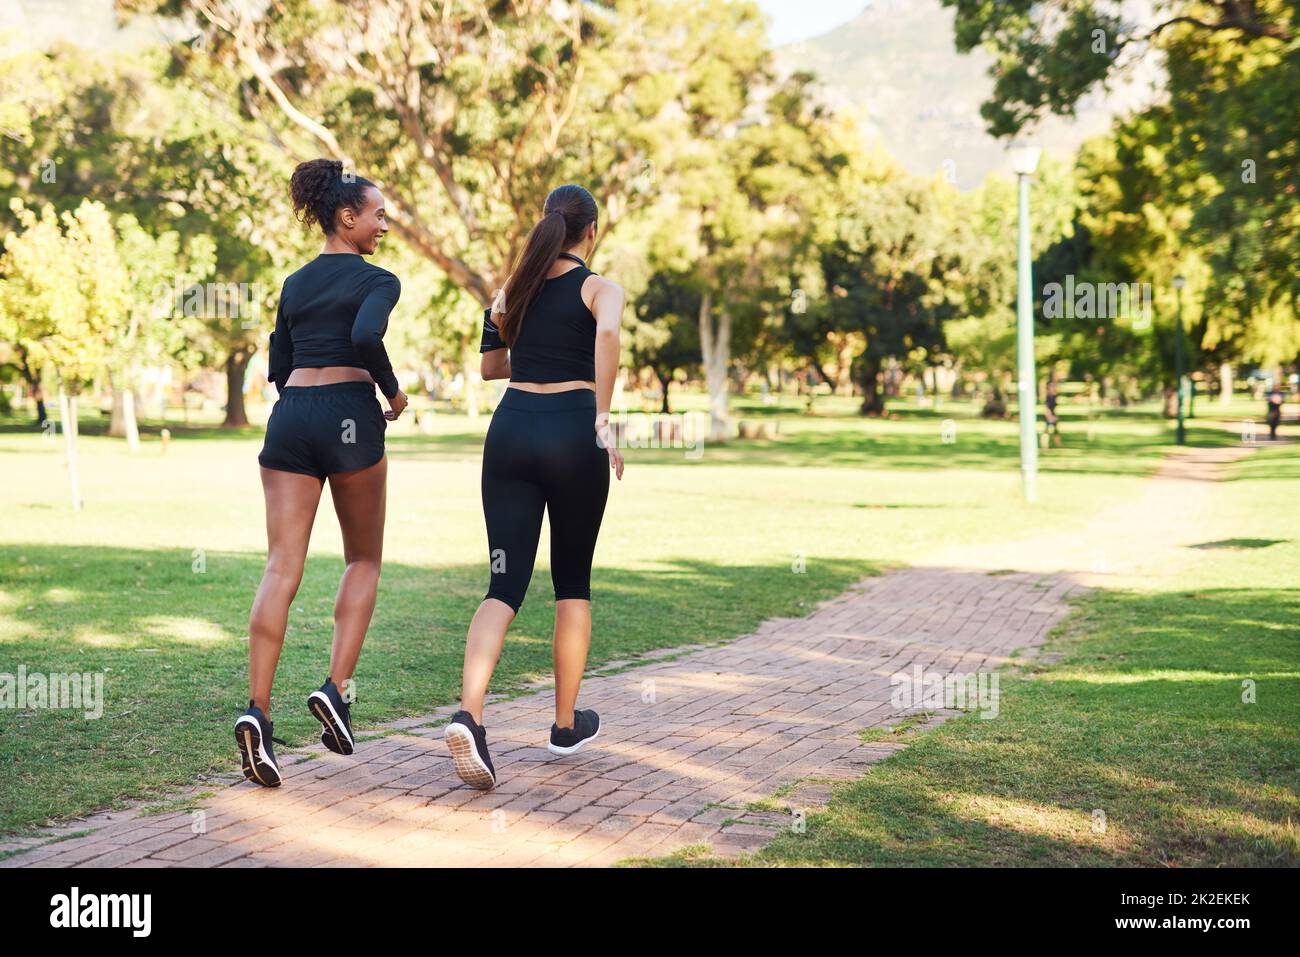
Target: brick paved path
686	743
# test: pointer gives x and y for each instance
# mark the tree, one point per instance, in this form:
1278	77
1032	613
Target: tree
1226	136
160	151
1234	148
893	273
666	336
981	229
1048	55
32	88
157	325
63	288
811	336
466	113
745	197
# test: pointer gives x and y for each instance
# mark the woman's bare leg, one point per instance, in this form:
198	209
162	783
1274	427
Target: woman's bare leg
487	634
359	500
291	501
572	639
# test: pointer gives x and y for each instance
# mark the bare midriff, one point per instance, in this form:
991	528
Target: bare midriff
552	386
327	375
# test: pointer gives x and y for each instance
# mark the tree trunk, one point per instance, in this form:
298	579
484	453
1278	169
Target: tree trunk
122	422
132	427
1225	383
873	402
826	379
68	413
236	368
843	384
34	387
665	380
715	345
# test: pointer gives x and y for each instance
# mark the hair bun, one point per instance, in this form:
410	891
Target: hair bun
318	189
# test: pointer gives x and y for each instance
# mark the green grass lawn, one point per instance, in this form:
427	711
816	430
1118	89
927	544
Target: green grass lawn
1145	718
691	551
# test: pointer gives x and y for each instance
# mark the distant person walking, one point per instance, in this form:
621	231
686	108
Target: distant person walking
1274	415
554	334
327	356
1053	423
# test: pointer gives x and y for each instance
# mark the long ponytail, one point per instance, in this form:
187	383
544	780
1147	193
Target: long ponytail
568	211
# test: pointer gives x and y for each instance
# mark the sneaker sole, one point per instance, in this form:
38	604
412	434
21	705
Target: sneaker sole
255	762
470	767
335	736
556	749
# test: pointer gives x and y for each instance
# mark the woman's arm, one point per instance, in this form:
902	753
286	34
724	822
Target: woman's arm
495	363
607	307
280	363
368	332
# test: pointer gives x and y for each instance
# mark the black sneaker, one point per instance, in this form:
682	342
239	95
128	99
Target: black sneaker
253	734
467	742
586	725
328	707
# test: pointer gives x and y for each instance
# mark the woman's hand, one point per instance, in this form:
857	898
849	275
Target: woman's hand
605	439
396	405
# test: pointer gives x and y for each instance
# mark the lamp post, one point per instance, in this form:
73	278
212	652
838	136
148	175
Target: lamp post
1179	282
1024	160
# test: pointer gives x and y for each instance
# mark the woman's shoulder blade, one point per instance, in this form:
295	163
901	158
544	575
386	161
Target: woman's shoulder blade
374	276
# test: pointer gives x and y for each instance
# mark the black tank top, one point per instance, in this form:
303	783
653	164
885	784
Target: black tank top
557	340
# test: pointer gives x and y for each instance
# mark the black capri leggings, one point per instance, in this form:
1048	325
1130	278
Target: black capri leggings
541	453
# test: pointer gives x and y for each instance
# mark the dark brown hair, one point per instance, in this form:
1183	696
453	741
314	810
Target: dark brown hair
319	190
569	210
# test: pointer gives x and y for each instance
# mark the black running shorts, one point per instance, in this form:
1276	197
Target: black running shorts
324	429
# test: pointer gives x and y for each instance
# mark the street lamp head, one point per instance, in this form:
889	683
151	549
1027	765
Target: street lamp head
1024	158
1179	282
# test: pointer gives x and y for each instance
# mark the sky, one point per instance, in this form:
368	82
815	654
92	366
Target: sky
793	20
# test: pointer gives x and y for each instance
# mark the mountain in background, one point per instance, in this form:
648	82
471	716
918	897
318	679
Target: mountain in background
896	67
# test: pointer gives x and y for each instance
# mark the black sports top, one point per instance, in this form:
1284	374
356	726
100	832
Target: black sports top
334	312
557	340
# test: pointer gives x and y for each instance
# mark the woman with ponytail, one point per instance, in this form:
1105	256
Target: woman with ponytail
327	357
554	334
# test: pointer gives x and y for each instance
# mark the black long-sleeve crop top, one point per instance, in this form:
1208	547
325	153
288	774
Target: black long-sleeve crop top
334	312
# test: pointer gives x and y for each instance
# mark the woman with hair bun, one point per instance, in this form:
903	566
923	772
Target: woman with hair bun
327	357
554	334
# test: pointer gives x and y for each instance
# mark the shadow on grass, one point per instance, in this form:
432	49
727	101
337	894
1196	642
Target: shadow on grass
1241	543
1165	736
171	642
